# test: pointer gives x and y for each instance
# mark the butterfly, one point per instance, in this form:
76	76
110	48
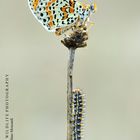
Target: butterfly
60	15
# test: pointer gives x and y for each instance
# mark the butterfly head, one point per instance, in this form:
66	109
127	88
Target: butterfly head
93	7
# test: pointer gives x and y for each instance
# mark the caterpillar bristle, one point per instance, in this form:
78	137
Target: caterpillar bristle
78	114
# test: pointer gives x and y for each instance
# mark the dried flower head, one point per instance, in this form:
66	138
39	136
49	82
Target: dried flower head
77	39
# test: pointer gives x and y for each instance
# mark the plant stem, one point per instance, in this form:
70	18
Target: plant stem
70	70
69	91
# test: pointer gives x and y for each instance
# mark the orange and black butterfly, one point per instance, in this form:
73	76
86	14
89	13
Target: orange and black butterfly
56	15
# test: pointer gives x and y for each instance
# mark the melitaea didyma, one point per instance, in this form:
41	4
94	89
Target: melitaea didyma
55	15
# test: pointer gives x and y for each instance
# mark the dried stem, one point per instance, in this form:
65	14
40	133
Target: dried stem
76	40
69	90
70	70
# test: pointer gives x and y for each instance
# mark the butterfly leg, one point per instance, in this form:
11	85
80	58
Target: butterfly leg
91	23
80	24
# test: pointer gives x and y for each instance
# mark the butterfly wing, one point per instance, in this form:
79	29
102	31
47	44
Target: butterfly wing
54	14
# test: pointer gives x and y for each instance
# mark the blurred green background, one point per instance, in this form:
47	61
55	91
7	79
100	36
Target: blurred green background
108	71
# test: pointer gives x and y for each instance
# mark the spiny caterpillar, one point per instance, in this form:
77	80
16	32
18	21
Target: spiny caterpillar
77	116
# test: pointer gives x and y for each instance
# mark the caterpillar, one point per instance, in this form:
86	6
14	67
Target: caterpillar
77	114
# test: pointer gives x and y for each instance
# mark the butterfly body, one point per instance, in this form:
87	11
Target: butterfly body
55	15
